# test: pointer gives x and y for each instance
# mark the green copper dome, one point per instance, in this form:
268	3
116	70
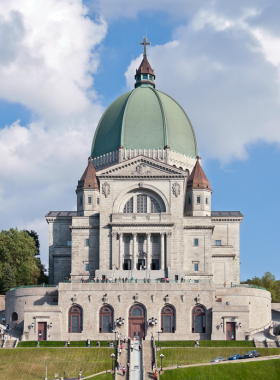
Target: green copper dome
144	118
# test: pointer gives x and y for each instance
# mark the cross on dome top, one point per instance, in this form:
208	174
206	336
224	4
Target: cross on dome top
145	42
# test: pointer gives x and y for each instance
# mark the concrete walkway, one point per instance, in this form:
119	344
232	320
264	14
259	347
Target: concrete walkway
136	362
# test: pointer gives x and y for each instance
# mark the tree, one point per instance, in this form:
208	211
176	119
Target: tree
43	278
35	236
267	281
8	279
18	249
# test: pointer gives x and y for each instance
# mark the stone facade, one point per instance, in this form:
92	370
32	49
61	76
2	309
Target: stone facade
141	215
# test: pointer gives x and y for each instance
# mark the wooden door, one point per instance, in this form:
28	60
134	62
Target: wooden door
137	328
42	330
230	330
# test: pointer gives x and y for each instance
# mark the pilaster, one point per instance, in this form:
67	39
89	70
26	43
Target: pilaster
114	251
120	251
133	264
148	264
162	250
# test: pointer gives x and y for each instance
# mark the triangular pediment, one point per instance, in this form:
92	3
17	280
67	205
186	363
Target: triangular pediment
141	167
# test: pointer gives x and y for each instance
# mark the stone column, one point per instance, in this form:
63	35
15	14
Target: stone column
133	264
162	250
121	251
148	261
168	249
114	251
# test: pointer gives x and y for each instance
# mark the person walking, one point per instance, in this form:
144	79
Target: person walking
123	370
65	343
131	346
124	339
120	367
121	346
120	351
38	343
68	343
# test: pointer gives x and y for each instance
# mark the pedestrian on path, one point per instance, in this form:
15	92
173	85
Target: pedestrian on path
121	346
131	346
123	370
68	343
120	367
120	351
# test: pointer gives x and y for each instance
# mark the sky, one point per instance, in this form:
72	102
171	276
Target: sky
62	62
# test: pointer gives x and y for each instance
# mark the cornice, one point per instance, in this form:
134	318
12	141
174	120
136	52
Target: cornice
59	219
224	255
84	227
217	219
199	227
141	224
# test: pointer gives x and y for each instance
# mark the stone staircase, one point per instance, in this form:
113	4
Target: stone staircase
10	343
148	359
123	359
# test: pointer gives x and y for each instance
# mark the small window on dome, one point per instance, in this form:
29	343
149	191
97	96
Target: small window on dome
155	207
128	208
150	77
145	76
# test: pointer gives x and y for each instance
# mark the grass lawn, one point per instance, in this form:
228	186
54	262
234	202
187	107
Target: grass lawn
186	356
264	370
206	343
29	363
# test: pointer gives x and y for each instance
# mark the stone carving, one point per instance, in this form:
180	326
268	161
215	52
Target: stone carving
141	184
148	217
106	189
176	189
141	169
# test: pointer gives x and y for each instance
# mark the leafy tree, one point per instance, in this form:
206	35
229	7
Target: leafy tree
35	236
8	279
269	282
18	249
43	278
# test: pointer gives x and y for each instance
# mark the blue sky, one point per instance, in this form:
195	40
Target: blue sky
63	62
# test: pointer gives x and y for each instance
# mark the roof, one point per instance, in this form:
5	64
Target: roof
198	179
62	213
144	118
227	213
89	179
145	67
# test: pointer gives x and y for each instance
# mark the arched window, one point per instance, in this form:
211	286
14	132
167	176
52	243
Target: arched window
142	203
105	319
128	208
136	311
198	319
75	319
168	319
155	207
14	316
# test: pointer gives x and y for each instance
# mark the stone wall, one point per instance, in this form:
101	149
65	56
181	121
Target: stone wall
2	302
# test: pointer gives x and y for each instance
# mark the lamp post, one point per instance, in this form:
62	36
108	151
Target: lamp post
112	356
115	331
161	357
158	331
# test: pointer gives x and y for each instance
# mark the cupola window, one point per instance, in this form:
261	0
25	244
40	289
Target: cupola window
145	76
198	200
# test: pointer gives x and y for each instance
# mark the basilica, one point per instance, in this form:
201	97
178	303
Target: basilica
144	252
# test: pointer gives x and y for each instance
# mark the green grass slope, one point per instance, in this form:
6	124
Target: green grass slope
29	363
262	370
184	356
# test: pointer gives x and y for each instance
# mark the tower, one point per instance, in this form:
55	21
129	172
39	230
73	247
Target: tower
88	192
198	193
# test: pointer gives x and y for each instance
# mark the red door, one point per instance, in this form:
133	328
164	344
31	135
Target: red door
137	328
230	330
42	330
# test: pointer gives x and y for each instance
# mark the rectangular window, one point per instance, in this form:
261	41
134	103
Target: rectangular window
86	267
145	76
195	242
127	239
155	239
98	201
150	77
198	200
196	267
141	204
141	239
189	200
89	200
218	242
206	201
69	243
87	242
81	201
196	281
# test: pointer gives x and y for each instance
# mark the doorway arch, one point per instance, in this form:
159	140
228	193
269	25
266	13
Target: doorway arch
136	322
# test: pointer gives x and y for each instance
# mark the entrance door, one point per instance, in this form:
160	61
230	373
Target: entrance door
230	330
141	263
155	264
127	264
42	330
137	322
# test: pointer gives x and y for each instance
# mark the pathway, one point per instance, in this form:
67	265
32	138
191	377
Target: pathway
136	362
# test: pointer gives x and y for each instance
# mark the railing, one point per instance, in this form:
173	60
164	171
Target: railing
259	329
134	281
238	286
142	361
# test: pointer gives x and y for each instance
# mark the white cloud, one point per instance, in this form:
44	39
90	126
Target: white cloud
224	70
47	58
